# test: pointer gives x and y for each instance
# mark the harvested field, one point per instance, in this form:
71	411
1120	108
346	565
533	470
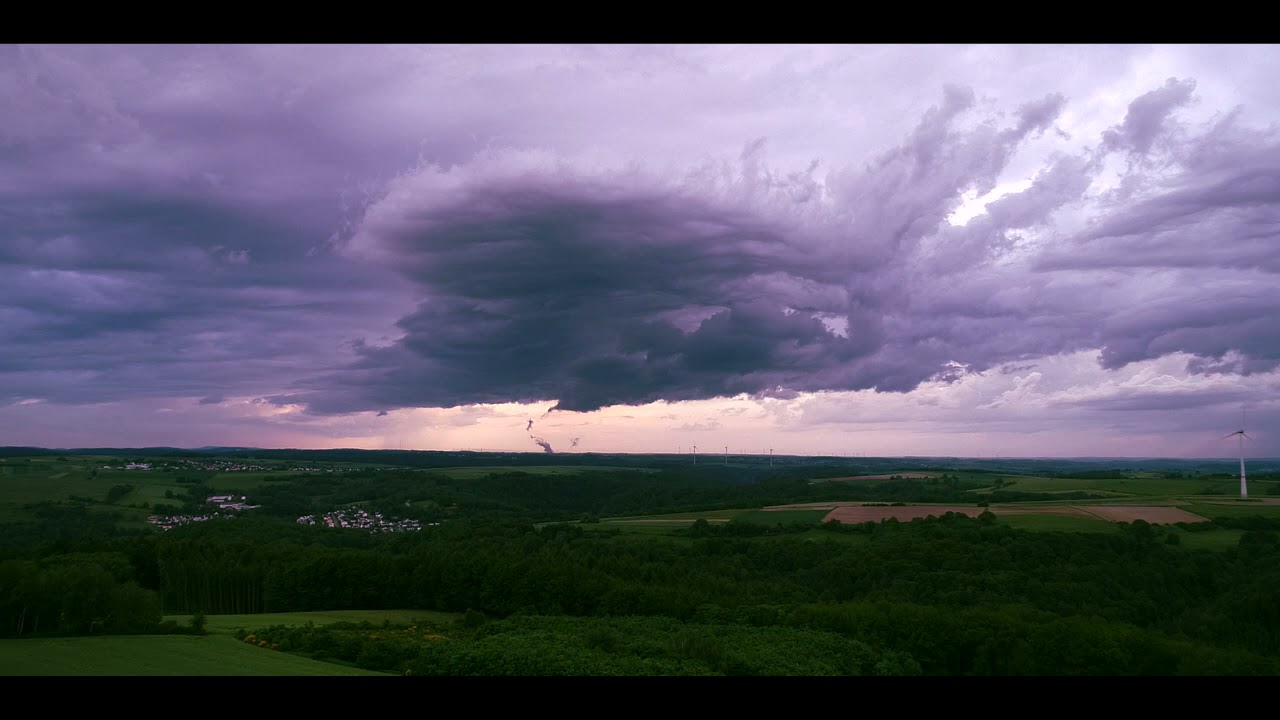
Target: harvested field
1151	514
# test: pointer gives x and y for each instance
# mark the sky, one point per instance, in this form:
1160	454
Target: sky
930	250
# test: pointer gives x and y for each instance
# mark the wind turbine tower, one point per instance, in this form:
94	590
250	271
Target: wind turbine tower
1244	488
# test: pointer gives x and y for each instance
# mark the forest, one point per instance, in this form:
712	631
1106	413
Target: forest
546	588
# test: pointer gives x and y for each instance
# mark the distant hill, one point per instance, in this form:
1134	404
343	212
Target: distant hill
853	465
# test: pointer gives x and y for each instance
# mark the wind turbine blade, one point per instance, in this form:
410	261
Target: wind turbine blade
1224	437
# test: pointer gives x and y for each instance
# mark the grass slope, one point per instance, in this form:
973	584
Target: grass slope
470	473
1062	523
155	655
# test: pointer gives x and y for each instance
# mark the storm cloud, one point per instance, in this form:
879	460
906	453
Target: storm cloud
542	280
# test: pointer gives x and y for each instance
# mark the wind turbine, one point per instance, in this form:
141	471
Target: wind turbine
1244	488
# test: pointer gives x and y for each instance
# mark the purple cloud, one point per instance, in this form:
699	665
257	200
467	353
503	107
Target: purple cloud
364	229
1145	120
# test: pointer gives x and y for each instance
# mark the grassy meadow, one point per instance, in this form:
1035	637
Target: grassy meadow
156	655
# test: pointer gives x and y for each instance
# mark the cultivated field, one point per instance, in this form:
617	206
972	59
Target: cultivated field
156	655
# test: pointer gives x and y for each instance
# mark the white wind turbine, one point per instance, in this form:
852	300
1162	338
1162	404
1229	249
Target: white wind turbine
1244	489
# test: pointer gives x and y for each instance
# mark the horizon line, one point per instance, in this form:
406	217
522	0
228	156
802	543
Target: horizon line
602	452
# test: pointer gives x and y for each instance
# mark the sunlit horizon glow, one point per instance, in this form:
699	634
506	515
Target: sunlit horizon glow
946	251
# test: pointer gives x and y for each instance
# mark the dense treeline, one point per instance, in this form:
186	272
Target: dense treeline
541	645
1108	467
1044	602
951	595
80	594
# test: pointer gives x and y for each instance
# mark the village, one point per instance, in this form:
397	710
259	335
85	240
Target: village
361	519
169	522
228	506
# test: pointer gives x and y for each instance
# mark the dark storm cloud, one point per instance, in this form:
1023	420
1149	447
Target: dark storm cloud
111	297
154	241
545	283
569	287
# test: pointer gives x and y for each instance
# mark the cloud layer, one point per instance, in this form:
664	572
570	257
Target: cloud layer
346	230
542	279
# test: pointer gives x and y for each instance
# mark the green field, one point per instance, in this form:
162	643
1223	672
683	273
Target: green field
1147	487
1237	509
1062	523
784	517
665	524
227	624
51	480
46	479
472	473
21	483
1216	539
250	480
156	655
666	531
684	518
